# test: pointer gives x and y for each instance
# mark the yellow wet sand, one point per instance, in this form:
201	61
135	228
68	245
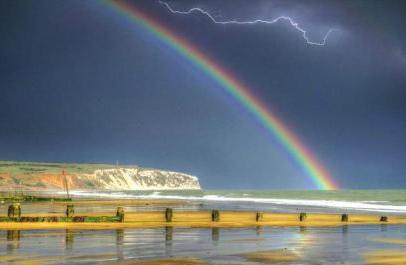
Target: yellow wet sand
172	261
7	258
397	241
385	257
271	256
203	219
244	240
26	260
228	219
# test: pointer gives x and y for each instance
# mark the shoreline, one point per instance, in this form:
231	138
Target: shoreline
150	213
203	219
352	202
244	236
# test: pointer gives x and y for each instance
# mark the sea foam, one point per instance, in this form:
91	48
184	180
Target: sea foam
373	206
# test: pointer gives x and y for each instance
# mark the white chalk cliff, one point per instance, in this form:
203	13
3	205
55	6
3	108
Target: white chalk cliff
138	179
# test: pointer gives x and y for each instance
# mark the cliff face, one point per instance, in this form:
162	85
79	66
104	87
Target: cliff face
48	176
140	179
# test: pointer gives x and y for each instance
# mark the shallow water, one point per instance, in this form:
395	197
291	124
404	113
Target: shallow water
350	201
332	245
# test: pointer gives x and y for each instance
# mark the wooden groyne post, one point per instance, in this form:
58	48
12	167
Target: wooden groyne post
302	217
259	216
120	213
344	217
383	219
14	210
70	210
168	214
215	215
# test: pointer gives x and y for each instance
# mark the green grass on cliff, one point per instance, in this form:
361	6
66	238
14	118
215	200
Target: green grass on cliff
16	168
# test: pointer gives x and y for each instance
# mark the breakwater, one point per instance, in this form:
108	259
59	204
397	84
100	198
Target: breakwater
15	218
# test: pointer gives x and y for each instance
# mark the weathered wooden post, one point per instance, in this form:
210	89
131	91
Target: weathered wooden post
78	219
14	210
70	210
383	219
215	215
120	213
52	219
302	217
259	217
168	214
344	217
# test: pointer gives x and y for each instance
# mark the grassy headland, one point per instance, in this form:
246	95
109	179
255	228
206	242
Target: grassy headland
16	176
34	176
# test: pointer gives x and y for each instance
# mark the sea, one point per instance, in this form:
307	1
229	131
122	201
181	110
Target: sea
348	201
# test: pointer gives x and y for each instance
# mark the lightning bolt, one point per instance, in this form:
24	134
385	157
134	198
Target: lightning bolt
251	22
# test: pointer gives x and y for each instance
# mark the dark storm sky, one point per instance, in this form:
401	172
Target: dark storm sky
80	83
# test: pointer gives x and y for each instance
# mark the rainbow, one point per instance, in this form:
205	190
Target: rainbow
317	173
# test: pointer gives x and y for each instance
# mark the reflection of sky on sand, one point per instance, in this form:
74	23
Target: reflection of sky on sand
325	245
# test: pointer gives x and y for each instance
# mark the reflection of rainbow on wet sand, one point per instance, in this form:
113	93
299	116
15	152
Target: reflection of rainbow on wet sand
276	244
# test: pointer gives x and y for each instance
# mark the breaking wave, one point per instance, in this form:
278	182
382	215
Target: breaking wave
373	206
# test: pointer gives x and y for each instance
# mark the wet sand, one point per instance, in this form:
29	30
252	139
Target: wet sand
397	241
137	217
386	257
172	261
271	256
236	239
214	246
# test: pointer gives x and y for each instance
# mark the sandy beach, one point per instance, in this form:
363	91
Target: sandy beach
145	237
139	218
